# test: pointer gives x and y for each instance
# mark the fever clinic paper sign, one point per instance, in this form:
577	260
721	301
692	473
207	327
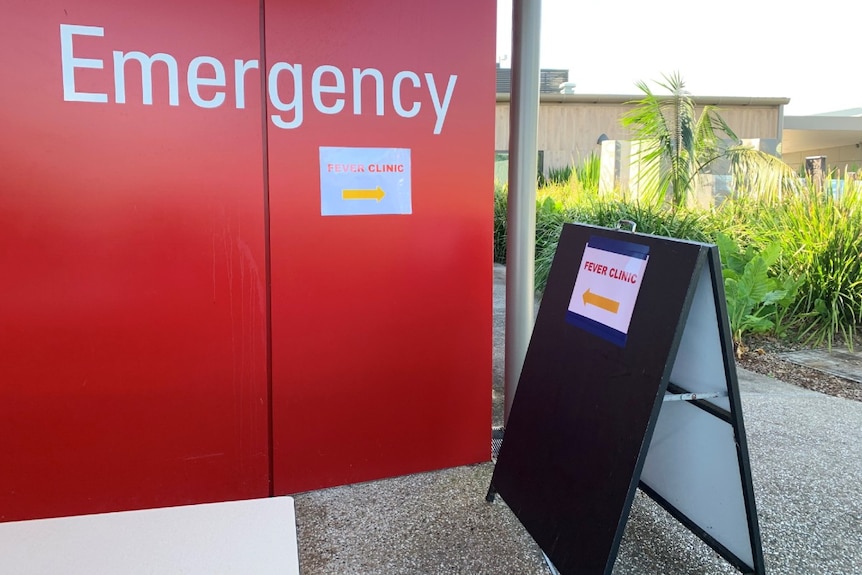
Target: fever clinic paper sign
606	288
365	181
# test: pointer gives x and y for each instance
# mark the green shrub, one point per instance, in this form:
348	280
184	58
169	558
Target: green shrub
559	175
756	301
550	217
589	172
794	266
821	242
651	218
501	203
657	219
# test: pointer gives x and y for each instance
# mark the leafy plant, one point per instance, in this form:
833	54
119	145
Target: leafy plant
761	177
755	301
676	146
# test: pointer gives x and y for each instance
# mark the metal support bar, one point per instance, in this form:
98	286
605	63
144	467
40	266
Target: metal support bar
523	166
692	396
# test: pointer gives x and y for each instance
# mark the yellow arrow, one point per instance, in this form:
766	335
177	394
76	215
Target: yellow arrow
375	194
599	301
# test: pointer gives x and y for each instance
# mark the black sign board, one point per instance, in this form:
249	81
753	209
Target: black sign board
629	379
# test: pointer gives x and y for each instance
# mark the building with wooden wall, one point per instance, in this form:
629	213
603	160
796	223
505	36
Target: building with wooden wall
570	125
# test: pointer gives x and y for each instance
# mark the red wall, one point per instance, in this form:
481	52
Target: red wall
134	260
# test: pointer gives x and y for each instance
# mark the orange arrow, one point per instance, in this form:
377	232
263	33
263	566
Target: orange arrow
602	302
375	194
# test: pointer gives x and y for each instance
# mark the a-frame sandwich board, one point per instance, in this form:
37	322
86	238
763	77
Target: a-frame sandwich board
629	380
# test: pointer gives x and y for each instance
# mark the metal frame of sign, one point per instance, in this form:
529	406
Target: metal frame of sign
594	418
704	370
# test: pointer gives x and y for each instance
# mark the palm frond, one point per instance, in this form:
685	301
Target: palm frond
761	176
677	145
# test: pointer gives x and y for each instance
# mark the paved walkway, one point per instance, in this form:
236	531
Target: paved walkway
806	456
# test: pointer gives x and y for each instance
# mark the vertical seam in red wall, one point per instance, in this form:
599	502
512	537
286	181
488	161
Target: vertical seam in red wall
267	248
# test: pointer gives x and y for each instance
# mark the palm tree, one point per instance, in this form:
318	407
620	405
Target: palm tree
677	145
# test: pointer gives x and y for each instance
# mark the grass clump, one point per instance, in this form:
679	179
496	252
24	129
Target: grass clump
820	238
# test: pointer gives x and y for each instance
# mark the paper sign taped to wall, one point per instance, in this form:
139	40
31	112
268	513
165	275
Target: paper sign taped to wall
365	181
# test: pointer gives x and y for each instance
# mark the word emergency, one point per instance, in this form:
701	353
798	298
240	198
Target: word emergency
206	84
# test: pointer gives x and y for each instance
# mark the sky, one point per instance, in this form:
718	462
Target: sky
763	48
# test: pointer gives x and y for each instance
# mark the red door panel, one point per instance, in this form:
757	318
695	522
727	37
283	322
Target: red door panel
381	324
132	290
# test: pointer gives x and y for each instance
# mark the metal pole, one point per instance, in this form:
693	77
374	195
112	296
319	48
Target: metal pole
523	166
